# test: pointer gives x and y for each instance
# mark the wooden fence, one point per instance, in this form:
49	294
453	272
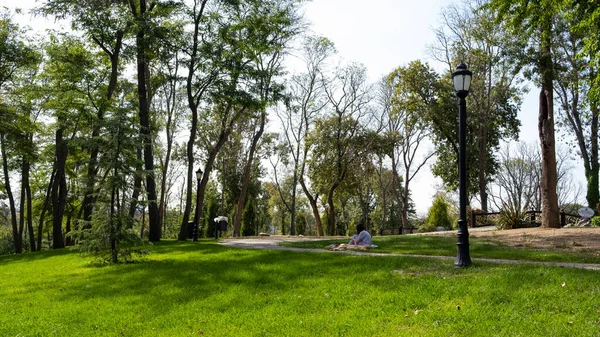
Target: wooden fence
533	218
488	219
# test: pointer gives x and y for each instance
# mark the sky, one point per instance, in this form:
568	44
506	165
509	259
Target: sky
385	34
382	35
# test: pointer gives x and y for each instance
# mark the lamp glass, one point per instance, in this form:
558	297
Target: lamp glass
462	82
199	174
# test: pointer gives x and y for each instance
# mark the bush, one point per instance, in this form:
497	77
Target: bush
7	242
109	241
510	217
595	221
439	214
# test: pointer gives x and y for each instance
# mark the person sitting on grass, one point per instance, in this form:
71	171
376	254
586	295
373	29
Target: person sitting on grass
362	237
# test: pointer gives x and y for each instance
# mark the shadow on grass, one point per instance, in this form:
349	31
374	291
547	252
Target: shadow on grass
216	282
32	256
177	273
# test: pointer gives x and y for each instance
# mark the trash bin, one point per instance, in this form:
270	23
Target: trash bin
190	229
220	225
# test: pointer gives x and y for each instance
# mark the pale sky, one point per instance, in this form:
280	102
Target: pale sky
382	35
385	34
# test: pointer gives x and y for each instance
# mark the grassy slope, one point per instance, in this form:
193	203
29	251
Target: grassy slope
190	289
446	246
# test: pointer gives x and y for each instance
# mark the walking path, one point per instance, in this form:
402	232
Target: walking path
271	242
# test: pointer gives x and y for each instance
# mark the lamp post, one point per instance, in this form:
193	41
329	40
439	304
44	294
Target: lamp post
462	81
197	215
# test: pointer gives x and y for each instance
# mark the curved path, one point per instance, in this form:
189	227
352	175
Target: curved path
271	242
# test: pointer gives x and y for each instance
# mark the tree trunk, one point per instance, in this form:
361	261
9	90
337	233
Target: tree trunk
314	206
165	166
27	187
482	165
331	210
293	203
11	200
182	236
59	190
546	134
398	190
404	206
237	223
193	102
92	172
45	208
592	196
154	229
137	186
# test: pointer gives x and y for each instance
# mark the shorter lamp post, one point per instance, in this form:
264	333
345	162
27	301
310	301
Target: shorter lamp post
462	81
197	215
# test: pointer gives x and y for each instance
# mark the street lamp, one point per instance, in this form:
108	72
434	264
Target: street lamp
462	81
197	215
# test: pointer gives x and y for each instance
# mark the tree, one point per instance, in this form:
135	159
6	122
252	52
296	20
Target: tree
198	80
340	138
468	34
518	180
586	23
304	102
274	24
578	114
106	28
18	62
413	96
533	21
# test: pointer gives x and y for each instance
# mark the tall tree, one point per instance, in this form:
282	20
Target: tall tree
340	138
469	34
18	64
69	72
304	102
577	112
275	23
105	25
198	80
533	20
413	96
149	31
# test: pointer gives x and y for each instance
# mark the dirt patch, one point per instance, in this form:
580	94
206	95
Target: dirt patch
574	239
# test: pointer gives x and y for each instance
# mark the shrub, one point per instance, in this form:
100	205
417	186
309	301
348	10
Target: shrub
439	214
595	221
7	242
510	217
109	241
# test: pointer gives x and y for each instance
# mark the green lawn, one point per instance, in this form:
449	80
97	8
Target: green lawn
445	245
186	289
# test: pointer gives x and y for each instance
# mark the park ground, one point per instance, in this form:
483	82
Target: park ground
210	289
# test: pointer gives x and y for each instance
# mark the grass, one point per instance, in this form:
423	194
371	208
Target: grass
443	245
186	289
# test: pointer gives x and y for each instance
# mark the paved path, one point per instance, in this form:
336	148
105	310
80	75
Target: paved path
272	243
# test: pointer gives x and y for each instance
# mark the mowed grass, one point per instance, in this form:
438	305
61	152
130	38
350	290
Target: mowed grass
186	289
445	245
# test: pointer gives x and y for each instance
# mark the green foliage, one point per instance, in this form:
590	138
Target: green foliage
595	221
301	227
510	217
211	211
249	218
108	241
7	242
439	213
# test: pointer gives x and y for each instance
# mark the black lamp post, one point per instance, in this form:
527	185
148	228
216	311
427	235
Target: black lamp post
197	215
462	81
